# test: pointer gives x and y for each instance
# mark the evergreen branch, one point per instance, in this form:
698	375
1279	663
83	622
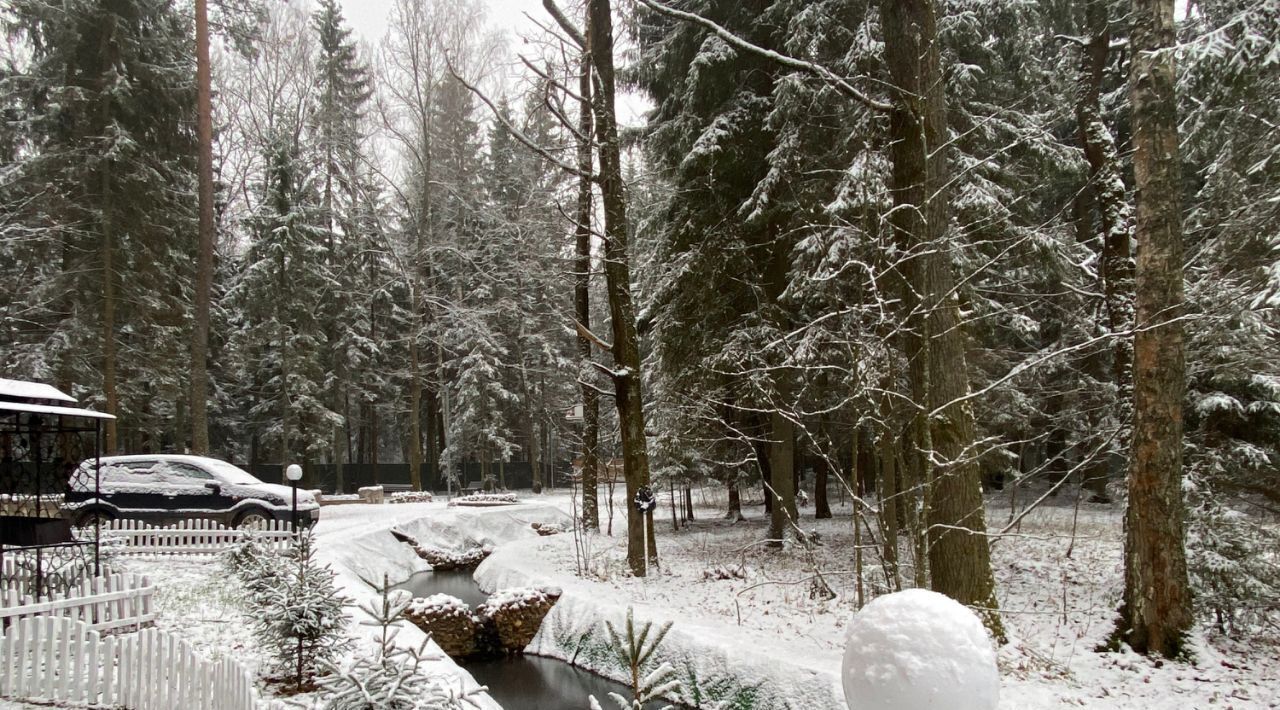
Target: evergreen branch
790	62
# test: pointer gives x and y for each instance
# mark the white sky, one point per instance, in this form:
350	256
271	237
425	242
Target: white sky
369	19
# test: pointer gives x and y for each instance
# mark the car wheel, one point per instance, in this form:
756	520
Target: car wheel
92	518
253	519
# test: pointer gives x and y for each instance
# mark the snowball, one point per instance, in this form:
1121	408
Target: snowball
918	650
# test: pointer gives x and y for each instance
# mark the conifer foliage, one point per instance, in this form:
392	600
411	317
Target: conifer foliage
297	612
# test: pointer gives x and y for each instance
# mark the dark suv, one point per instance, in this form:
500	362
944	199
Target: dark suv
167	488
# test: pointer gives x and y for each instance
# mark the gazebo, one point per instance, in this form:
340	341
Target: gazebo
44	436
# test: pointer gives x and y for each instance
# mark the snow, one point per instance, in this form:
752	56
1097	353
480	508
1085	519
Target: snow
20	389
439	605
753	636
919	649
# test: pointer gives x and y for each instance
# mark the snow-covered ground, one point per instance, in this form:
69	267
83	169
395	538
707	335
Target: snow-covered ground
745	627
767	630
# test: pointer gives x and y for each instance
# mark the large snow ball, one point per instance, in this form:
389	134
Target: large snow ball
918	650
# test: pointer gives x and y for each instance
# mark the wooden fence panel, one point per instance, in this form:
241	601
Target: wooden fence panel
190	537
60	659
103	603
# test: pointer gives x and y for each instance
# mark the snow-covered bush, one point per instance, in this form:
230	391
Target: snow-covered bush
410	497
1233	562
389	676
633	648
485	499
298	614
919	649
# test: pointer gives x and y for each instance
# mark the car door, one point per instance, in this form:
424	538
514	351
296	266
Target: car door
190	491
132	487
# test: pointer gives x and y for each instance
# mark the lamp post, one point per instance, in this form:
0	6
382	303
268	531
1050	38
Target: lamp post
293	472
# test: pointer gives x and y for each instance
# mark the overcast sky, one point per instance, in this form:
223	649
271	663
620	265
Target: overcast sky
369	19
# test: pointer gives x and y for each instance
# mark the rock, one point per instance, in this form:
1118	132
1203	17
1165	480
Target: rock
545	529
450	622
370	494
441	559
451	559
517	614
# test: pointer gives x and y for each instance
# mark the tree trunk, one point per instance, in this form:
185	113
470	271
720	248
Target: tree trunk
199	389
821	506
626	345
1156	612
582	309
415	412
782	481
1106	191
109	430
888	491
959	558
109	435
735	505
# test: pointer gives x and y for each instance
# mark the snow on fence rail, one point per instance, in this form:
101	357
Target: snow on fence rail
104	603
190	537
59	660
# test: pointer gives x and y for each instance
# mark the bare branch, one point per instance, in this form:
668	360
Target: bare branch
516	132
574	33
585	332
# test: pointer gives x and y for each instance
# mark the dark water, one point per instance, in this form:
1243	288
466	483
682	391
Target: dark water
537	683
522	682
455	583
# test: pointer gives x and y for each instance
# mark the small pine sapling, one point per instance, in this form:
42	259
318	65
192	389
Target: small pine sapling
257	567
393	677
300	619
634	650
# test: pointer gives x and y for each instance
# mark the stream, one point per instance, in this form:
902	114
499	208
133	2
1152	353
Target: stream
521	682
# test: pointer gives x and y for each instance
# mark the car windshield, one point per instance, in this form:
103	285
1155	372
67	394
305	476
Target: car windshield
232	474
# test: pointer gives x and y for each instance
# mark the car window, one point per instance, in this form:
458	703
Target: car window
121	473
233	474
173	472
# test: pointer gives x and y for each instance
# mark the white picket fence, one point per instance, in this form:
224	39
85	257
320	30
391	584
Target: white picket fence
107	603
189	537
61	660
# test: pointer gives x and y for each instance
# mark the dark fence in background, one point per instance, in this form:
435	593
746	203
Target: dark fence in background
355	475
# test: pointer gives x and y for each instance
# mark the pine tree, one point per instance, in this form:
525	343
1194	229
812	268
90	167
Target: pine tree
110	106
393	677
299	620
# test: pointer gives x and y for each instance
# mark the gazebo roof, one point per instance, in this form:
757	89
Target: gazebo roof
38	398
19	389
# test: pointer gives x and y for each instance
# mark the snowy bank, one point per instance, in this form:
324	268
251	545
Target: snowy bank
357	542
715	662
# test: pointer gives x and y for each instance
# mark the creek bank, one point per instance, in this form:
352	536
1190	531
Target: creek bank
502	626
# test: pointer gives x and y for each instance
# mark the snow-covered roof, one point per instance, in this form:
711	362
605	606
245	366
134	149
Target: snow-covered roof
48	409
19	389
